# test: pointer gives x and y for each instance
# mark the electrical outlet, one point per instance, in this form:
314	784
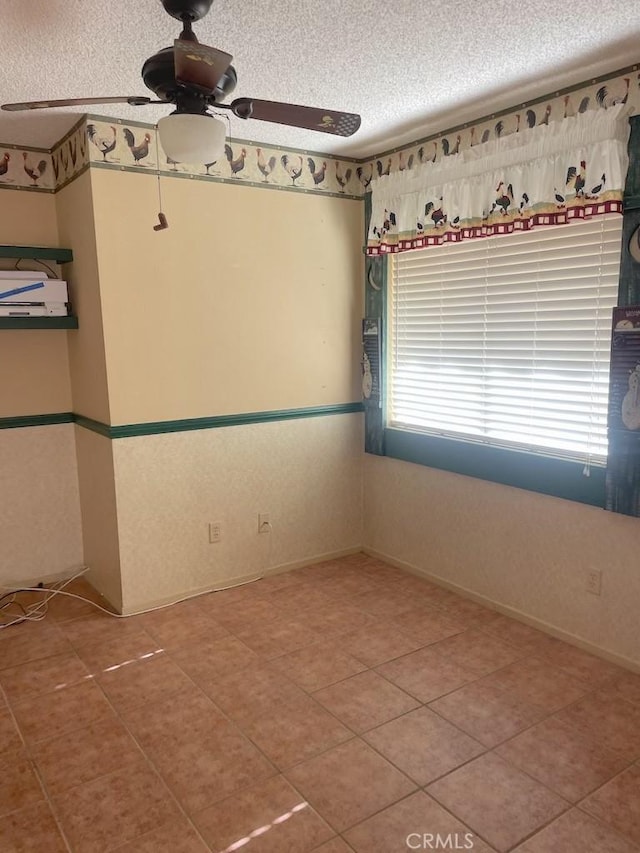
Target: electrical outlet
215	532
594	582
264	522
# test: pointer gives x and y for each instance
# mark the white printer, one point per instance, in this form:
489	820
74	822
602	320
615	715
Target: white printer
31	293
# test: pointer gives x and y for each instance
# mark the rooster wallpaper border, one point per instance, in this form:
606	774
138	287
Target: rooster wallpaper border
288	168
133	146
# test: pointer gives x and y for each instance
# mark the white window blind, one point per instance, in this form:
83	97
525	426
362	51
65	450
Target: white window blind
505	340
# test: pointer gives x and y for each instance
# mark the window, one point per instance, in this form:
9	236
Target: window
505	340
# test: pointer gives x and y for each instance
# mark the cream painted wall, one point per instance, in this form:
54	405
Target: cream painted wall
40	534
307	474
250	301
74	206
38	381
523	550
99	513
35	378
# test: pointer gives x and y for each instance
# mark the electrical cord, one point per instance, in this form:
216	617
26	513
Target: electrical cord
40	609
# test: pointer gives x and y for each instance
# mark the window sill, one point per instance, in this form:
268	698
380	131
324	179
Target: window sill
558	477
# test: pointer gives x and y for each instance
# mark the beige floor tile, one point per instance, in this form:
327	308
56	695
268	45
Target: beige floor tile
97	628
113	809
202	770
31	830
414	823
580	664
62	711
283	580
423	745
31	641
291	600
336	619
107	655
178	836
41	676
349	783
618	803
627	686
376	644
220	602
188	715
478	651
384	601
607	719
336	845
486	713
427	625
184	624
576	832
252	612
143	681
563	759
518	634
294	733
19	785
214	660
365	701
426	674
318	665
345	585
468	612
539	683
279	637
10	740
499	802
271	817
256	691
85	754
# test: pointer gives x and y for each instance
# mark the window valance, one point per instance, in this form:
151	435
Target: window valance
546	175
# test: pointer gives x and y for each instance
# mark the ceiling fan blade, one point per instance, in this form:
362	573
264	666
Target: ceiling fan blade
133	100
198	64
310	118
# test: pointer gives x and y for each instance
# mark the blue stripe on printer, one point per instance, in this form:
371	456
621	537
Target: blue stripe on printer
24	289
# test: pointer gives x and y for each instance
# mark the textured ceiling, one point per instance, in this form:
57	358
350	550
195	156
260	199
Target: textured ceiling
410	67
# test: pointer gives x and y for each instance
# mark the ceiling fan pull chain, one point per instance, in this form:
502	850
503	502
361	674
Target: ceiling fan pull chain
162	219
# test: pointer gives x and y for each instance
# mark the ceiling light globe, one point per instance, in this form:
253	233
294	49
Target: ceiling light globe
188	138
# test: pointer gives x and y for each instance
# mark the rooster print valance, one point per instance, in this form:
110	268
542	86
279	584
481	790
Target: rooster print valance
546	175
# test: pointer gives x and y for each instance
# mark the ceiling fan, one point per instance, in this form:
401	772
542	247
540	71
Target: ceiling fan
196	77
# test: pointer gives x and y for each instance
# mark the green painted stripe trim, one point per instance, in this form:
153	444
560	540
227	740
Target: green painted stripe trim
186	425
37	420
4	186
94	426
37	253
561	478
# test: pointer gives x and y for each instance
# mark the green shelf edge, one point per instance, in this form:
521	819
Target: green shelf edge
37	253
39	322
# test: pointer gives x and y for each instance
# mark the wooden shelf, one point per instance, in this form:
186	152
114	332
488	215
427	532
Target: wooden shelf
37	253
38	322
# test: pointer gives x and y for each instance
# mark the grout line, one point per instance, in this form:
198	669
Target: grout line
345	599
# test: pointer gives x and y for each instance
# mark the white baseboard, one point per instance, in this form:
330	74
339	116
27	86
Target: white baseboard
506	610
239	581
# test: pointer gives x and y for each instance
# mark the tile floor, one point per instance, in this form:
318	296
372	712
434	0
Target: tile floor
346	706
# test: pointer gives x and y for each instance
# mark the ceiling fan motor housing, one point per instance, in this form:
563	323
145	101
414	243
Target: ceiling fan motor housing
187	10
158	74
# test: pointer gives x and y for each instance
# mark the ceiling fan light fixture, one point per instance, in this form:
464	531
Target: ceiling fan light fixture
192	138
